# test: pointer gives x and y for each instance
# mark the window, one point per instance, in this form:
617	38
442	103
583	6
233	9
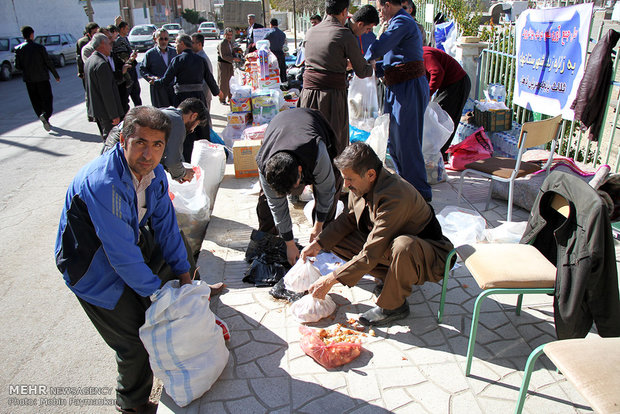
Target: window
142	31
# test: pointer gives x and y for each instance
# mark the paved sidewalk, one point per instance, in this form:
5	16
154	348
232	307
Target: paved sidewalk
417	365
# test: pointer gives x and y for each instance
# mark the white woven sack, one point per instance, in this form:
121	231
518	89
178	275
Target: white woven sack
301	276
185	345
212	159
311	309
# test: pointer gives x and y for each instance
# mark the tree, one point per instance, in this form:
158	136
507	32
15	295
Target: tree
191	16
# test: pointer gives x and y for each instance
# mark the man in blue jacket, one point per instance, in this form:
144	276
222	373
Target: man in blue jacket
118	242
188	71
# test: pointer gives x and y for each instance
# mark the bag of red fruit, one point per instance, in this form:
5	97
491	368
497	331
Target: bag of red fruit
329	355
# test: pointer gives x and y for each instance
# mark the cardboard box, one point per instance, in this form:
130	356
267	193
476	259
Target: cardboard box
244	156
493	120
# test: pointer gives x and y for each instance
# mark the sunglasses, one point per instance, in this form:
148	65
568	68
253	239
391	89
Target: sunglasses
163	38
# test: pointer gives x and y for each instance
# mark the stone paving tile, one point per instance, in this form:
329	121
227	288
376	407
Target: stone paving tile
416	365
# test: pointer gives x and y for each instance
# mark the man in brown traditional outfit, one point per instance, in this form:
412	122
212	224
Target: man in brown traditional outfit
225	69
328	46
389	231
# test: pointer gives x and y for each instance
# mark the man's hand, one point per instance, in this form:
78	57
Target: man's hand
126	67
81	75
316	230
321	287
292	252
117	20
221	95
57	79
189	175
185	279
310	250
115	121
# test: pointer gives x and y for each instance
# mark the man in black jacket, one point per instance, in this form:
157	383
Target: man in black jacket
32	59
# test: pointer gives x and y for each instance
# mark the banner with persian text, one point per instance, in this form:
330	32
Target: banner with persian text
551	58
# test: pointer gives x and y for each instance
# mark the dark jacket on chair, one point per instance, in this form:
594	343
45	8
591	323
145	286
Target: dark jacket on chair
582	248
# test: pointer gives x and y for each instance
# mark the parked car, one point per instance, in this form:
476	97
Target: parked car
141	37
60	47
7	56
174	30
209	29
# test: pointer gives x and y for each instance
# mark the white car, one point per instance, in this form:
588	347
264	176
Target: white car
141	37
209	29
174	30
7	56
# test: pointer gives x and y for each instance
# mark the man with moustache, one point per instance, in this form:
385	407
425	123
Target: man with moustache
389	231
154	65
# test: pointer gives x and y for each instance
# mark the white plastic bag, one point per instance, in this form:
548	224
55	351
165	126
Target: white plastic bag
310	206
461	226
212	159
301	276
185	344
192	206
311	309
363	102
507	232
438	127
379	134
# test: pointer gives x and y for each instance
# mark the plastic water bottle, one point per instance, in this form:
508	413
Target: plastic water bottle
497	92
263	59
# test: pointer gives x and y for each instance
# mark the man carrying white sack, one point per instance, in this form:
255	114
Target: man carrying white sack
118	242
389	232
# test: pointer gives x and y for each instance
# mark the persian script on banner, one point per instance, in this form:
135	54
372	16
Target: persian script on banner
551	58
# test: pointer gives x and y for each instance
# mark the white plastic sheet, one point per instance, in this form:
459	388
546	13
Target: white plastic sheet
461	226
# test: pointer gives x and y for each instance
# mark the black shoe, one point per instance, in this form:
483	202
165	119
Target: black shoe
380	316
378	289
46	123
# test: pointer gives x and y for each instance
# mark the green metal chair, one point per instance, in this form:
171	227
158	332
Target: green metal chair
590	364
500	269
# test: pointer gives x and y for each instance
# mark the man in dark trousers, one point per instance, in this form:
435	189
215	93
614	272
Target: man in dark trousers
123	49
32	59
452	84
277	41
154	65
104	102
118	242
298	150
188	71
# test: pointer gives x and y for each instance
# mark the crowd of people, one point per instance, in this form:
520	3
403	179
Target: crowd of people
118	240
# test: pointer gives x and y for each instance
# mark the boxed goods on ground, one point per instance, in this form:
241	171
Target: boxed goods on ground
265	105
493	116
244	155
240	98
239	120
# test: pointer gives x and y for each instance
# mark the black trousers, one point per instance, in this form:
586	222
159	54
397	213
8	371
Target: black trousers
134	90
105	126
119	327
281	65
452	99
41	98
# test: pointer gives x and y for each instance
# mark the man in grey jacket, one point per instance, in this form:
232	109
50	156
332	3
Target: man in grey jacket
103	99
298	150
184	119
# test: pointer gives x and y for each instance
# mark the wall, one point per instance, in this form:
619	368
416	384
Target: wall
47	16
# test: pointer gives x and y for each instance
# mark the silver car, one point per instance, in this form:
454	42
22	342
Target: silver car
174	30
60	47
7	56
141	37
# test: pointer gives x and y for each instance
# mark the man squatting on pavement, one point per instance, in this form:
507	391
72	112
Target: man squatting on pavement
118	242
389	231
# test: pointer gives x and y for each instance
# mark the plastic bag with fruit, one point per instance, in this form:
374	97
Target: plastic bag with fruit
326	350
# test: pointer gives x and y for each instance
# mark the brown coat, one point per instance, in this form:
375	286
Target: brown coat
395	208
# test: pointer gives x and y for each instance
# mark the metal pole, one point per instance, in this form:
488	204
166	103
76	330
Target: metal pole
294	25
264	16
90	11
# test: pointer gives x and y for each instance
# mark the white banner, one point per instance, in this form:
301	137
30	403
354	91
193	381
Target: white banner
551	58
